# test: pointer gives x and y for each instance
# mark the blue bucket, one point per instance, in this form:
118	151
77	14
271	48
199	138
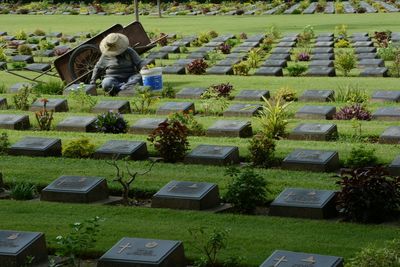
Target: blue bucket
152	78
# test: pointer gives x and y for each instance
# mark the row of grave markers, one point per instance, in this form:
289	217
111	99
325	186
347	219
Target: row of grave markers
17	246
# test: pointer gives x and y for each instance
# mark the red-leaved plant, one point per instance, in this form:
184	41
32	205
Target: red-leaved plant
197	66
354	111
223	89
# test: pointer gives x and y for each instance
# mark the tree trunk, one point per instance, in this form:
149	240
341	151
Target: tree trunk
136	4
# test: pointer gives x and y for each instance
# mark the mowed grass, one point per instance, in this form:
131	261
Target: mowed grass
254	237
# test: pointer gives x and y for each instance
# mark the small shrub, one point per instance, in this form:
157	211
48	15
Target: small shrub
273	117
143	99
361	157
261	149
111	122
342	43
212	103
387	255
296	70
4	143
23	191
241	68
389	52
24	50
274	32
45	45
3	56
383	38
222	89
341	31
23	98
170	140
351	94
33	40
213	34
83	101
39	32
197	66
214	56
254	58
286	93
246	190
395	68
52	87
345	61
79	148
21	35
354	111
44	117
225	48
16	65
303	57
168	91
204	37
187	119
339	8
242	36
306	35
368	195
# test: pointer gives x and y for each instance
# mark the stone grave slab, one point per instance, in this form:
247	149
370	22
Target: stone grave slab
324	44
196	55
323	56
213	155
361	50
134	150
54	104
8	38
228	62
48	53
221	38
317	96
279	57
220	70
181	43
205	49
3	103
269	71
304	203
386	96
14	121
286	44
242	110
213	44
191	93
274	63
38	67
187	196
255	95
22	58
15	87
158	55
174	69
374	72
146	125
322	50
283	258
363	44
183	62
367	56
281	50
314	131
241	56
394	167
324	39
365	63
387	114
321	63
316	112
36	146
90	89
312	160
325	34
255	38
3	33
360	39
289	39
170	49
77	124
120	106
321	71
241	49
173	107
76	189
144	253
249	44
390	136
17	246
3	65
230	128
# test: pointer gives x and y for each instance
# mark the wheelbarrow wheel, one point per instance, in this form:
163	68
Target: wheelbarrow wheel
83	60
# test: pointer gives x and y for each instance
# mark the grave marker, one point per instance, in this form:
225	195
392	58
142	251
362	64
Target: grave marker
146	125
394	167
77	124
119	149
386	96
242	110
312	160
314	131
255	95
3	103
54	104
191	93
220	70
36	146
269	71
317	96
374	72
390	136
231	128
14	121
387	113
283	258
187	195
89	89
173	107
316	112
213	155
120	106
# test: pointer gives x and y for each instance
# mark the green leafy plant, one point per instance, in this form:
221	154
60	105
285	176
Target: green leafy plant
44	117
209	243
3	56
345	61
262	148
45	45
23	98
39	32
306	35
82	237
143	99
361	157
387	255
17	65
254	58
341	30
351	93
389	52
24	50
83	101
214	56
51	87
246	189
168	91
111	122
296	69
395	68
212	103
286	93
273	117
274	32
368	195
23	191
170	140
79	148
21	35
4	143
342	43
193	126
241	68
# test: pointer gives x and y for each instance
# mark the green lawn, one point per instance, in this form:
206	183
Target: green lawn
254	237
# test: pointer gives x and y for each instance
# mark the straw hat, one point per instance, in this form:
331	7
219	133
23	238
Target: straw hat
114	44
